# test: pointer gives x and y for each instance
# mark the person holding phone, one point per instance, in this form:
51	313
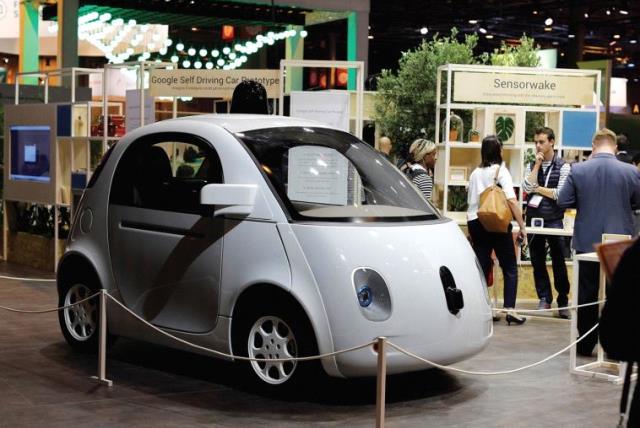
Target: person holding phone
543	180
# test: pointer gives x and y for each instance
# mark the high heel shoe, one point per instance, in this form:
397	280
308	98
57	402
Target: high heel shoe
513	317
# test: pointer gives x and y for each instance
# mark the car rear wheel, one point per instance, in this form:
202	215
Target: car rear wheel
80	323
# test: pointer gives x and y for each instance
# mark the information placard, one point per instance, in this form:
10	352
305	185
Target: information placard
513	88
209	83
331	108
317	174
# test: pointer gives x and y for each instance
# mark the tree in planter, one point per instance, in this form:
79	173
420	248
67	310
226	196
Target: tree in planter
406	101
523	55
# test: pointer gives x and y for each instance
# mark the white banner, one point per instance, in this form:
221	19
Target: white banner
331	108
512	88
209	83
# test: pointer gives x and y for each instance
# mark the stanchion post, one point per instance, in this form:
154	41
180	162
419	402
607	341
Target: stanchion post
102	344
381	382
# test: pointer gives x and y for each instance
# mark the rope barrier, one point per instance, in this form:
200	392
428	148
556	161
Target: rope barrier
17	278
44	311
476	373
527	311
237	357
316	357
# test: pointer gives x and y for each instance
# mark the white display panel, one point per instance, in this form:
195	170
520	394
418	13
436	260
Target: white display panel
331	108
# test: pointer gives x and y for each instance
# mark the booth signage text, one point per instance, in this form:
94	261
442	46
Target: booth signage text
512	88
208	83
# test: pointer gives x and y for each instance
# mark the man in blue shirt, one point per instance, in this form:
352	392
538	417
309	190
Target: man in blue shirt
605	192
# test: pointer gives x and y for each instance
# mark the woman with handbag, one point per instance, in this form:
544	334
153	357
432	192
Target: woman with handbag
492	205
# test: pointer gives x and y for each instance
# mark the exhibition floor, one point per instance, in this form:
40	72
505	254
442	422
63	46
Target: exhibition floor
42	382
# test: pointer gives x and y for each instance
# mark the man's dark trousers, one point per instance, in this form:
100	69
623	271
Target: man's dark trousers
539	263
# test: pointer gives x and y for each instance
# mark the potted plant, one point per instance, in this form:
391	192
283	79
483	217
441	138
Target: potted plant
456	127
474	136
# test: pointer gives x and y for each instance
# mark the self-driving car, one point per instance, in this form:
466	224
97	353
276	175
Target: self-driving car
270	237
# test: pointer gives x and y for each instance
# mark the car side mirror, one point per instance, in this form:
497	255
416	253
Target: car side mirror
230	199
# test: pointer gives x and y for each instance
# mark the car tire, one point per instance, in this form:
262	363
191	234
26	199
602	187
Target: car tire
80	324
276	332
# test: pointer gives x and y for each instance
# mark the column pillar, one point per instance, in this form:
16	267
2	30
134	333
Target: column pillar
294	50
29	48
357	43
67	33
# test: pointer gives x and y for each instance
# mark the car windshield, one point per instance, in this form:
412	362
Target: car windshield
328	175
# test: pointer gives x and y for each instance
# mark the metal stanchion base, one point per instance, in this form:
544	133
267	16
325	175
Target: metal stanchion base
105	382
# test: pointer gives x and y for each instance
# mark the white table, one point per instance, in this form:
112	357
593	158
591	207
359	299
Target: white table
591	369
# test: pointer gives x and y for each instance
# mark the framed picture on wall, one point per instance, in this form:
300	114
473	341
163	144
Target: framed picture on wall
458	173
504	125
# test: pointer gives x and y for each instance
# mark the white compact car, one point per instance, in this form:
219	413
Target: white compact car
271	237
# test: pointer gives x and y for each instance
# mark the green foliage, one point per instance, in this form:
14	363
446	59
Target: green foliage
39	219
457	199
534	120
523	55
529	156
406	101
405	105
504	127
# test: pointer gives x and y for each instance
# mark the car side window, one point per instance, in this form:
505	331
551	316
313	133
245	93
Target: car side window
166	172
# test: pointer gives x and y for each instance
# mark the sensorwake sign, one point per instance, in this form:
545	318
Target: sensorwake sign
208	83
512	88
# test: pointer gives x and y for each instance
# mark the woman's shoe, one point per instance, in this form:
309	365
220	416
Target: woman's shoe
513	317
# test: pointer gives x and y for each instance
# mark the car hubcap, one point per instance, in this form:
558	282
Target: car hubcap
271	338
80	319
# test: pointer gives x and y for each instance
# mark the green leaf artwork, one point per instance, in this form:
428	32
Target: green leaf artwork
504	128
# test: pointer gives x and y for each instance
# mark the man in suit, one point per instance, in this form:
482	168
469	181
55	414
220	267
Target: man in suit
605	193
623	147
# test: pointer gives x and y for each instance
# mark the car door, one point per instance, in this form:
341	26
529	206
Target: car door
166	248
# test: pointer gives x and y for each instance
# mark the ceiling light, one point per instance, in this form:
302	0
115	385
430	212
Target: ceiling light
548	21
624	12
473	21
554	43
482	30
548	29
370	37
303	33
613	42
572	36
586	15
489	36
616	36
535	12
608	12
631	65
194	28
424	30
633	42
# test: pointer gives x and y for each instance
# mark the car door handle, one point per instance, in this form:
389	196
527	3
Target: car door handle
161	229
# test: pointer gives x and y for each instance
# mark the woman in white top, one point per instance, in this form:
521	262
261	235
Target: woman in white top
423	156
485	242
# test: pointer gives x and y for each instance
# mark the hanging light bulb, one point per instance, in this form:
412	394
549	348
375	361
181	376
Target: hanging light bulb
209	65
203	52
226	50
180	46
162	51
232	55
174	58
197	64
168	42
186	63
220	62
303	33
191	51
215	53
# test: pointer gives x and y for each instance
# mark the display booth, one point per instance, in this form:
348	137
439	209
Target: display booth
474	101
50	150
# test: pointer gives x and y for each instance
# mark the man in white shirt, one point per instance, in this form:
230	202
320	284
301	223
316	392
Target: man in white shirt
543	181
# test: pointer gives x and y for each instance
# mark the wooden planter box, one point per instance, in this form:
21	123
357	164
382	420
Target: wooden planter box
33	250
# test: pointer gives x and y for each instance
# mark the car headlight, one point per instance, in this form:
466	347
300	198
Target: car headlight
372	294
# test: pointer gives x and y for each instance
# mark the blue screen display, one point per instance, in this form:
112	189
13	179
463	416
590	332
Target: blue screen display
30	149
